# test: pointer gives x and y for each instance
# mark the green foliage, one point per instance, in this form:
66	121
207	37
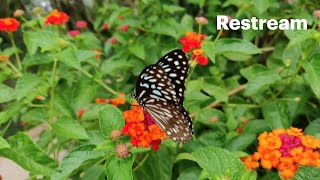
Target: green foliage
62	86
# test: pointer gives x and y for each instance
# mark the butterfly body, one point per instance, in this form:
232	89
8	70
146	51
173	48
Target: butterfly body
160	92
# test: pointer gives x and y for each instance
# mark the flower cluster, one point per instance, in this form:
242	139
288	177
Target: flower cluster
285	150
142	129
115	101
9	24
4	58
56	18
192	43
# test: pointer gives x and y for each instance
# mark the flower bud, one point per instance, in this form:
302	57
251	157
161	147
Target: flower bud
113	40
37	10
122	150
116	135
18	13
316	14
202	20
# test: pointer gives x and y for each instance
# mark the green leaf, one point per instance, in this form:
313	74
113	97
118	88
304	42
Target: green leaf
85	91
95	172
220	93
186	156
209	50
275	113
259	78
261	5
172	9
110	119
39	39
70	128
69	57
312	74
257	126
235	45
28	155
241	142
190	173
26	84
3	143
313	128
74	160
249	175
158	164
117	168
10	111
6	93
138	50
298	36
36	59
218	163
307	173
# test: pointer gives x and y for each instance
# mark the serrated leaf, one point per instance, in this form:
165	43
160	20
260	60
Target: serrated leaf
241	142
257	126
158	165
259	78
219	163
39	39
110	119
69	57
95	172
6	93
26	84
275	114
307	173
313	128
28	155
235	45
298	36
312	73
70	128
219	92
138	50
209	50
74	160
186	156
117	168
249	175
3	143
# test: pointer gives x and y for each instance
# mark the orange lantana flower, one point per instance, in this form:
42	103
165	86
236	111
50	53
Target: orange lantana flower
56	18
9	24
142	129
286	149
118	100
294	132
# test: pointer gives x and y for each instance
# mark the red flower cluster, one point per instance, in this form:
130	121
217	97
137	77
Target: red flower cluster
56	18
142	129
124	28
81	24
74	33
192	42
9	24
286	150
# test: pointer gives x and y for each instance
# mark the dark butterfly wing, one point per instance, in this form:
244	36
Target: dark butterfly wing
154	83
177	125
176	65
160	90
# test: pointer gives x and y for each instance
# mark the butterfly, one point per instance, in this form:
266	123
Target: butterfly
160	92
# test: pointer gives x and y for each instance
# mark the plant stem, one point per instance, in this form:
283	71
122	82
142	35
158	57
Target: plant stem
52	101
99	82
244	105
141	162
6	128
218	36
13	67
15	50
